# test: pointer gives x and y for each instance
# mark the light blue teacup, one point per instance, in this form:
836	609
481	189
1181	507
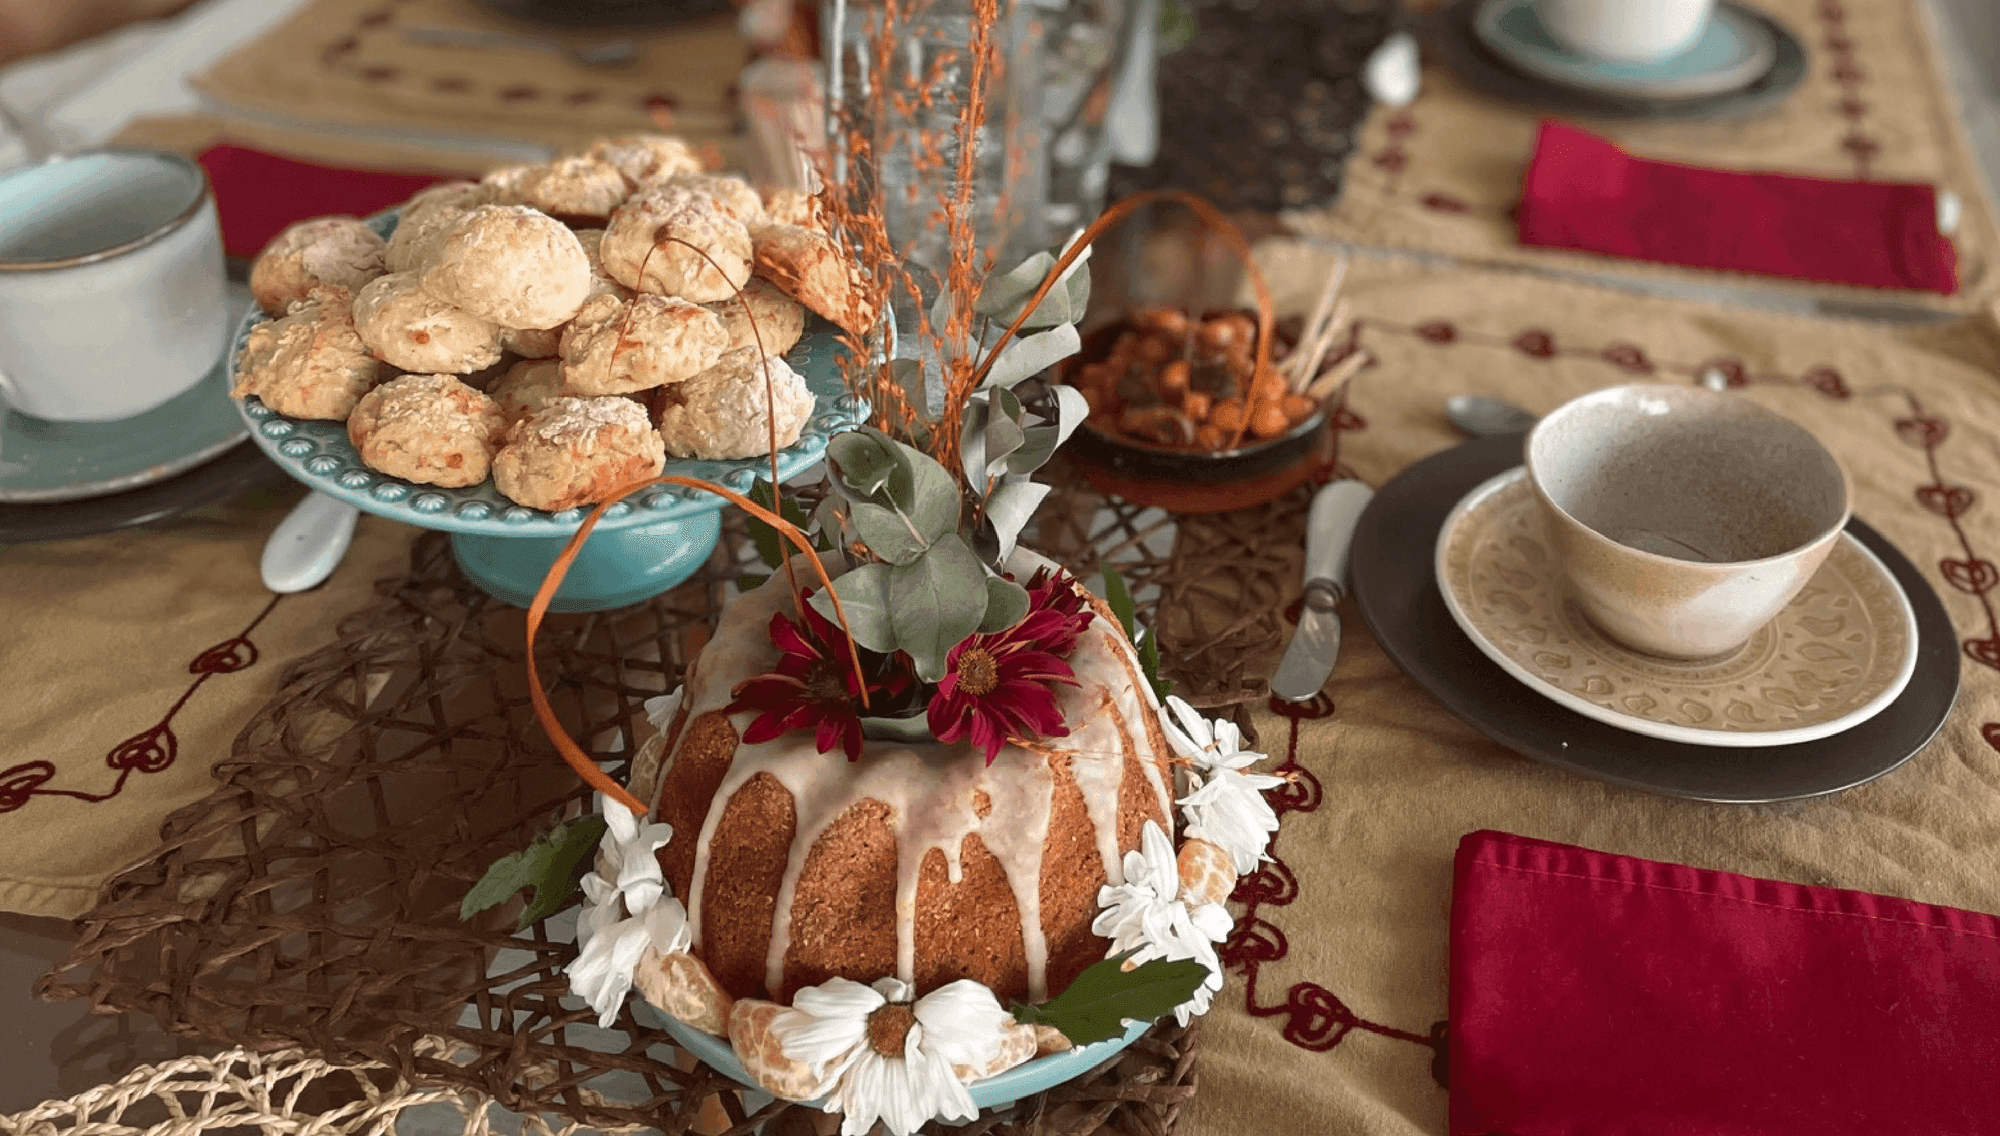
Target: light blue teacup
111	284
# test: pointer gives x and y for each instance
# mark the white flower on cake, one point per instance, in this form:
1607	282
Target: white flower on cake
660	711
1143	915
626	914
890	1057
1227	807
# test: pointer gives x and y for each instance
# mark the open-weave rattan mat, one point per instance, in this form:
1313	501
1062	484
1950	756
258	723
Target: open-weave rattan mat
130	661
331	924
1443	174
349	61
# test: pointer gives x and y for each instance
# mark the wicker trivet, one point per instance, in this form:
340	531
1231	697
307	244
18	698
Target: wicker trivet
311	902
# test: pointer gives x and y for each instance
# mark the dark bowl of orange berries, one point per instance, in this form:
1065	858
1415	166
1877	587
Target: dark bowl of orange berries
1180	417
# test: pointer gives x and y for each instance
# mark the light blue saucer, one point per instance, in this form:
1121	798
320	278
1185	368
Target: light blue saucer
645	544
1732	51
1023	1080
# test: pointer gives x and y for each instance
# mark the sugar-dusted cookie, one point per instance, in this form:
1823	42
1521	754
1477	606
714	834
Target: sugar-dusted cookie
732	195
339	251
430	429
546	343
309	363
794	207
413	330
728	410
779	319
811	267
646	245
513	265
572	187
616	346
577	451
646	159
526	387
425	219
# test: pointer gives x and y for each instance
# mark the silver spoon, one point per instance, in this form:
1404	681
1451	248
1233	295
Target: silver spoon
609	53
1482	416
308	544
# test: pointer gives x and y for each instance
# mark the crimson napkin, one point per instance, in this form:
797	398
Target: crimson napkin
258	194
1598	994
1582	192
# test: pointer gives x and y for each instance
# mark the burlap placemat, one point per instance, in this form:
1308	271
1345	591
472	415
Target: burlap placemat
131	661
1332	1022
1443	174
349	61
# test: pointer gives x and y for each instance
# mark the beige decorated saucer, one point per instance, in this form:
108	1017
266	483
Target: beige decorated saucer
1835	656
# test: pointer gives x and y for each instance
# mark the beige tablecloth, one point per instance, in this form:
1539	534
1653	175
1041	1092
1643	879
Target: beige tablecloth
1347	946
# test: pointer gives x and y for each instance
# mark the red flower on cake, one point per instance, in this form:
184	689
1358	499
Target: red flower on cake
815	686
1002	686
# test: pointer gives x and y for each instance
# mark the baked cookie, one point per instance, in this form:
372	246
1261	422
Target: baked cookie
615	346
780	320
728	410
577	451
512	265
732	195
309	363
794	207
643	251
546	343
578	187
646	159
425	220
340	251
413	330
526	387
430	429
810	267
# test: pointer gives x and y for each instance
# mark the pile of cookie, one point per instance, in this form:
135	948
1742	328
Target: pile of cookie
562	327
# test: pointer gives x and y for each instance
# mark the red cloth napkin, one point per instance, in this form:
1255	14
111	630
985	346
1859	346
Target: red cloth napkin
258	194
1582	192
1598	994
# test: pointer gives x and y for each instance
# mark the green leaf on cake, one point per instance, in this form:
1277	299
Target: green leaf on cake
1119	598
552	865
1006	604
936	602
1149	664
864	596
1105	996
1146	642
771	548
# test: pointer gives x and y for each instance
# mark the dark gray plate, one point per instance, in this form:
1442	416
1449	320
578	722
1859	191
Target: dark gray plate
1396	590
1450	31
239	470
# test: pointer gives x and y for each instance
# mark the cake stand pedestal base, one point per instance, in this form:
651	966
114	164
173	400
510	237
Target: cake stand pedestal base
615	568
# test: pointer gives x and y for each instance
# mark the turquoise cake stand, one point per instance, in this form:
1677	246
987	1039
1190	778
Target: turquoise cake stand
644	545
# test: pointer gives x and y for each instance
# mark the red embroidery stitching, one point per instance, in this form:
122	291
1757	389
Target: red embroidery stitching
1849	76
152	749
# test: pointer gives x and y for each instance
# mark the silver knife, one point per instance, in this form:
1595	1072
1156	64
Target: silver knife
1308	661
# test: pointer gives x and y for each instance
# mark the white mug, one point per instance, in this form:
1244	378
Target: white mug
111	284
1625	31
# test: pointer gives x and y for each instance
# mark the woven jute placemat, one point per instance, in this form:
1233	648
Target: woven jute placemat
311	901
1443	174
352	62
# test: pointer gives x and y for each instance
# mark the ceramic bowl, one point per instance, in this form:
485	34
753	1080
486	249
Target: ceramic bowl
111	284
1684	519
1194	481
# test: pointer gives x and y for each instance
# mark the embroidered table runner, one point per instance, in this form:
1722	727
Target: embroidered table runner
1333	1019
131	660
352	62
1443	174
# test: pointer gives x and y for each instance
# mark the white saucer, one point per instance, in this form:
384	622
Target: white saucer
1733	50
1837	655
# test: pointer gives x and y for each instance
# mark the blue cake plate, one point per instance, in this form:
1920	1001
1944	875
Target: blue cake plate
643	546
1023	1080
1733	50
